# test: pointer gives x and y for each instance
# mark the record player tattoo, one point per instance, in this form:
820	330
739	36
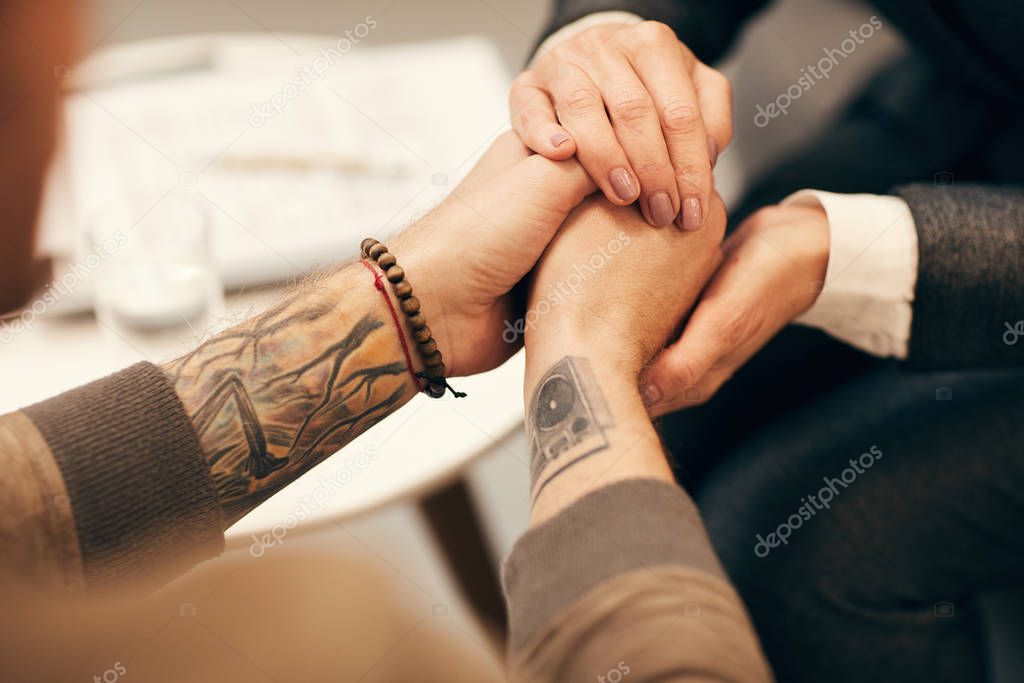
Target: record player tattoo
567	419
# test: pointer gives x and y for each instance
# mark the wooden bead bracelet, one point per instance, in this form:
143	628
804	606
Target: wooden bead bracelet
433	375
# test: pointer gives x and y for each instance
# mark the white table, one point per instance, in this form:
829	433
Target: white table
417	454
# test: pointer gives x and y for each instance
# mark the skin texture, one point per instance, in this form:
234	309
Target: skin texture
643	115
631	96
281	392
277	394
465	257
774	268
594	334
634	283
568	414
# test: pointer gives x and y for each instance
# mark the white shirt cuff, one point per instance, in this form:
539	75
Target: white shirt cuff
582	24
868	293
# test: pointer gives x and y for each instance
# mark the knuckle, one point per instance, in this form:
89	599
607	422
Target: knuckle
527	119
723	93
631	105
727	94
736	328
656	32
721	83
681	116
561	65
591	39
732	331
583	101
565	71
652	168
562	52
524	80
690	177
682	375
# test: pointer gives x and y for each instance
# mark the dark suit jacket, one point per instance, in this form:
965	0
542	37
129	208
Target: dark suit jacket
955	104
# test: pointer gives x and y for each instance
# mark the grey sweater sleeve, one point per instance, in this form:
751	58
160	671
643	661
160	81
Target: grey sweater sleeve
609	583
970	281
139	488
707	28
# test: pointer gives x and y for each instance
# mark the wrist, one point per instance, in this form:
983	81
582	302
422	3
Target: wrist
812	251
355	287
817	244
421	275
615	440
561	335
546	344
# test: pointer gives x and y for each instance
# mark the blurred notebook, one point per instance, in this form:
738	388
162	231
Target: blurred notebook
296	162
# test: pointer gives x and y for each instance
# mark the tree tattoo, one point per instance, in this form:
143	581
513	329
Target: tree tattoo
278	394
566	421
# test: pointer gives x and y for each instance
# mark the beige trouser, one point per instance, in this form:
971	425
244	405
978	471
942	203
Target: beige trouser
288	616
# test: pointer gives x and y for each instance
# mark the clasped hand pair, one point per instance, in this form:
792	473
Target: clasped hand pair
524	243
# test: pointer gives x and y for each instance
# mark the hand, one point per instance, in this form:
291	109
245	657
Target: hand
644	116
774	266
465	257
609	285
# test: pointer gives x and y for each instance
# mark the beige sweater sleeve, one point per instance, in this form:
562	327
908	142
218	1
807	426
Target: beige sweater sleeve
625	583
623	580
105	484
37	528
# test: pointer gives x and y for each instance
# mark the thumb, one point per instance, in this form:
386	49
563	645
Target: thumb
506	151
673	378
512	217
542	186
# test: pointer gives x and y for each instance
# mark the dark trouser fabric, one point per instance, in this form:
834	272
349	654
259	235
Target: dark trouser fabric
882	584
861	587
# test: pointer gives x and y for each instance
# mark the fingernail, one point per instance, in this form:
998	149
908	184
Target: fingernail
712	151
692	218
652	394
622	183
559	139
662	212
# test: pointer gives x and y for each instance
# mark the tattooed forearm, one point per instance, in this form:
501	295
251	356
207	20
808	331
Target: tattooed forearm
566	421
276	395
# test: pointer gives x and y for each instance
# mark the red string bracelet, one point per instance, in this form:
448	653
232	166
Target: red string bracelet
433	363
378	282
